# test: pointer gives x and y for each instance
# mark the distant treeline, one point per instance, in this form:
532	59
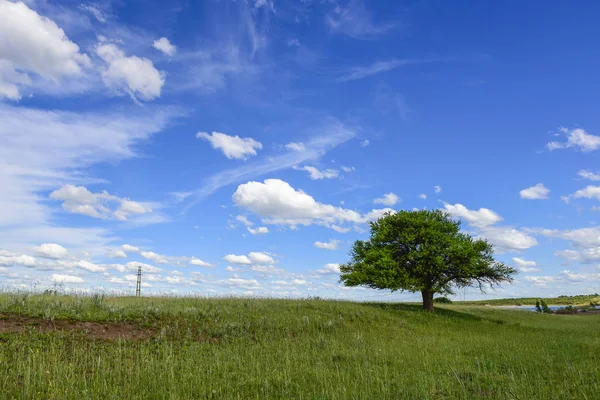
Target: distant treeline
530	301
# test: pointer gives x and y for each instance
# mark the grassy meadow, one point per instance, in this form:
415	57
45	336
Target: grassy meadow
194	348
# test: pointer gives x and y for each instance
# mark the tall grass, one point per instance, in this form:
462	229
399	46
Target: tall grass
298	349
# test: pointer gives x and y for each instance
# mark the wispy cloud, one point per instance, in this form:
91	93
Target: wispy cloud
326	137
354	73
356	21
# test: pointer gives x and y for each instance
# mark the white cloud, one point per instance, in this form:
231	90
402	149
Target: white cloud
95	11
348	169
51	250
278	203
507	238
234	147
242	283
261	230
536	192
58	278
79	200
130	249
584	238
423	196
388	199
199	262
44	149
329	269
437	189
592	176
261	258
503	237
316	174
163	44
589	192
479	218
116	254
146	268
524	265
130	74
331	245
584	256
237	260
340	229
365	143
293	42
152	256
244	220
295	146
10	259
578	139
32	44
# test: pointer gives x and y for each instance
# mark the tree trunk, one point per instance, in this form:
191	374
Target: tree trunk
427	300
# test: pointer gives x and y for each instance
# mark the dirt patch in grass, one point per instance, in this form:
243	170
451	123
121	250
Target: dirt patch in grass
12	323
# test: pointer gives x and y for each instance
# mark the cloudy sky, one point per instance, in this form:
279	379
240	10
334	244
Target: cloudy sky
240	147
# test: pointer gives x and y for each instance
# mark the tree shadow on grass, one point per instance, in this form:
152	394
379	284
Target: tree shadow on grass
438	311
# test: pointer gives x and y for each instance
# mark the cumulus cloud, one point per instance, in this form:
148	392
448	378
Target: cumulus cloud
33	44
295	146
261	230
423	196
331	245
437	189
504	238
130	249
233	147
276	202
116	254
592	176
316	174
388	199
79	200
578	139
524	265
58	278
480	218
258	257
152	256
536	192
51	250
199	262
237	260
589	192
130	74
163	44
244	220
329	269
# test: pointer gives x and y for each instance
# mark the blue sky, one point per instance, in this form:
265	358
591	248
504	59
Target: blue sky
240	147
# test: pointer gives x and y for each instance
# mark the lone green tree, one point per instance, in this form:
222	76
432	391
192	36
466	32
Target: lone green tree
422	251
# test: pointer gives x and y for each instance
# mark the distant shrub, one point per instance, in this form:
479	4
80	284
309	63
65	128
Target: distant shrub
567	310
442	300
538	308
545	307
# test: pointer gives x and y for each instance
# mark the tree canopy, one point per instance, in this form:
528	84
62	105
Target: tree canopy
422	251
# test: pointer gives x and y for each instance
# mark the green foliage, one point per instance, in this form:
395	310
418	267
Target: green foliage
581	299
442	300
297	349
545	307
538	307
422	251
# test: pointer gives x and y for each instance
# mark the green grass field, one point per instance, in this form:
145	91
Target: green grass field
194	348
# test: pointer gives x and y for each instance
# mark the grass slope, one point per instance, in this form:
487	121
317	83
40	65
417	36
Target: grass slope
298	349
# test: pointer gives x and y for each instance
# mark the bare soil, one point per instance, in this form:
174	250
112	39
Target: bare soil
13	323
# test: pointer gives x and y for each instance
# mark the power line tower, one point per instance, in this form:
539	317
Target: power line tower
138	286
